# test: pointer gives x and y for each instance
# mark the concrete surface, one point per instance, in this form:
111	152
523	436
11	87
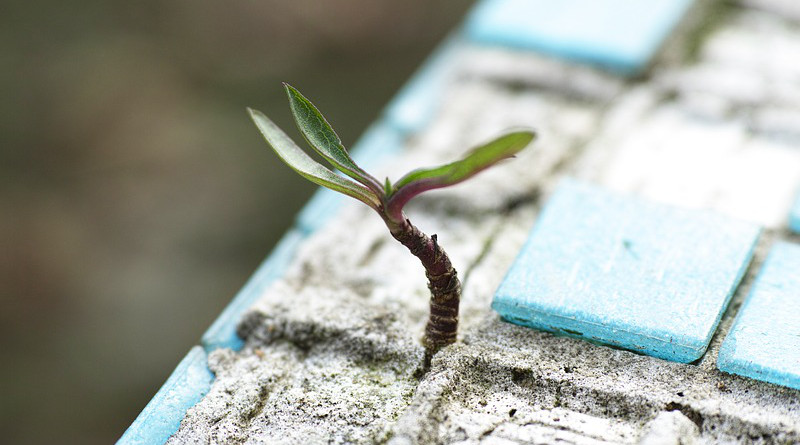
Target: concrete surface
331	350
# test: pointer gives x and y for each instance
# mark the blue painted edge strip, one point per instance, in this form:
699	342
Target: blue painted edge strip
794	215
222	333
188	383
772	283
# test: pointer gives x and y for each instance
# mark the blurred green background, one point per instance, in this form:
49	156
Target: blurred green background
135	195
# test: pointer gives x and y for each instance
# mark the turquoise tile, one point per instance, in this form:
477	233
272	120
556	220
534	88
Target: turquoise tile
189	382
620	35
379	142
222	333
626	272
794	215
764	342
416	104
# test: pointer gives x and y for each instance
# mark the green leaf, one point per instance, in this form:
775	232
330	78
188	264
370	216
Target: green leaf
388	188
477	160
298	160
319	134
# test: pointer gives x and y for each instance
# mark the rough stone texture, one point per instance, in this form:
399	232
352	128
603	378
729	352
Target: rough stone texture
670	428
531	387
296	393
332	350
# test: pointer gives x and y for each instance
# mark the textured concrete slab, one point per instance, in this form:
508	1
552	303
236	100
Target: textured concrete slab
764	342
332	348
670	428
620	35
626	272
320	366
509	384
187	385
670	157
287	395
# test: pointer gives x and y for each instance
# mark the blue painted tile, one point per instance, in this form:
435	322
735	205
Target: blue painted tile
379	142
764	342
794	215
621	35
162	416
626	272
416	103
222	333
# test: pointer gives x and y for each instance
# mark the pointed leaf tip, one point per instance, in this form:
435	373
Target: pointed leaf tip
321	136
477	160
299	161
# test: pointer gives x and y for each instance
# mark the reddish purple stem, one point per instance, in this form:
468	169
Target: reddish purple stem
443	282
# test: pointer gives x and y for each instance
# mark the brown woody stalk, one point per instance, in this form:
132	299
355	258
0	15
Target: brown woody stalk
443	282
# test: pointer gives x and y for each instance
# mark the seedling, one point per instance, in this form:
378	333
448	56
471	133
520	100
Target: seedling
388	199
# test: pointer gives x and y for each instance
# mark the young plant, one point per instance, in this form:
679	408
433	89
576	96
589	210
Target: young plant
388	199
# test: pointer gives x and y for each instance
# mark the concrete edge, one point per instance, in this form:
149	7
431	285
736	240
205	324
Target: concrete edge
188	384
222	332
